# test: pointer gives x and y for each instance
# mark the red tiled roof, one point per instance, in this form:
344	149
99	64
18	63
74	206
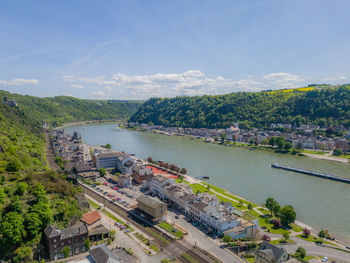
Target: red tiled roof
91	217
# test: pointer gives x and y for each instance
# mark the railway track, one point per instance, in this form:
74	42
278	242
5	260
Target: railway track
170	246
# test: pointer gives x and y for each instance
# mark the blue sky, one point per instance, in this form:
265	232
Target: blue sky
138	49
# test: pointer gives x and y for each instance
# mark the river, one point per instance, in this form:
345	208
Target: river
320	203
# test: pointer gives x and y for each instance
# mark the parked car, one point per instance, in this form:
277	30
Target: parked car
324	259
177	217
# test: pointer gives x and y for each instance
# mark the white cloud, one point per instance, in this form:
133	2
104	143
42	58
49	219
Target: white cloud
339	78
17	82
76	86
282	80
191	82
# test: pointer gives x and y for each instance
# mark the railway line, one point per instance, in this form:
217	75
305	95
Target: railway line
169	245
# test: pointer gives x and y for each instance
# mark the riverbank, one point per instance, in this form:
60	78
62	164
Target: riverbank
91	122
320	155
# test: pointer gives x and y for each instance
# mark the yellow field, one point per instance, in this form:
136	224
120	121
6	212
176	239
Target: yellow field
291	90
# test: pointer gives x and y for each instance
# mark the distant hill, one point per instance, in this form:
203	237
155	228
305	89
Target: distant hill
312	105
57	110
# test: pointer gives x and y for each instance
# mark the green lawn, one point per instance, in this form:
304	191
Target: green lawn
296	228
250	260
311	238
189	258
282	241
159	237
169	228
93	204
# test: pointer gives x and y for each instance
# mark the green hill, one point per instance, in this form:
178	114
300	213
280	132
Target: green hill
57	110
323	106
31	195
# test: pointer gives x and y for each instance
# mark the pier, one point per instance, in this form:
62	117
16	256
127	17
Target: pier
312	173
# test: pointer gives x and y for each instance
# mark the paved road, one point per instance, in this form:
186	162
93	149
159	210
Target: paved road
194	236
317	250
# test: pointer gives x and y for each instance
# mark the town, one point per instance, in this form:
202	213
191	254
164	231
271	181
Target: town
308	137
157	199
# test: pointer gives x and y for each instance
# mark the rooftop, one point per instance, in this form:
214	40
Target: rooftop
149	201
91	217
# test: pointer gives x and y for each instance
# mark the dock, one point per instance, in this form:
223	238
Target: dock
312	173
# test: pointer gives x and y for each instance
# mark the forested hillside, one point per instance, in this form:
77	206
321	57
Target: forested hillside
57	110
31	195
325	106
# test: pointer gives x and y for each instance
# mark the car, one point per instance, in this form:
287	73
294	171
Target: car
105	183
177	217
324	259
105	193
348	247
115	188
93	185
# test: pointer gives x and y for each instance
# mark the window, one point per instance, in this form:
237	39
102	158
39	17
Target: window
76	250
54	240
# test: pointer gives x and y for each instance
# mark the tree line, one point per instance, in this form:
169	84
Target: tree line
324	107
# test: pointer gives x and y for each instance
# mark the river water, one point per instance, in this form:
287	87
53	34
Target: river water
320	203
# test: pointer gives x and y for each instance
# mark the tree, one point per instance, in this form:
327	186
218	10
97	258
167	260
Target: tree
222	137
272	141
337	152
23	254
21	188
286	236
13	165
32	223
87	243
276	223
227	239
270	204
299	146
250	206
108	146
102	171
12	228
287	215
306	232
276	209
16	204
288	146
300	253
322	234
2	179
112	234
183	171
66	251
40	193
280	141
44	212
2	196
150	160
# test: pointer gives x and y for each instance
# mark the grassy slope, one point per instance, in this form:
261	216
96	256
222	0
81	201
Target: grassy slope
23	148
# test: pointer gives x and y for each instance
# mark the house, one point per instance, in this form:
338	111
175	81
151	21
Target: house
124	180
268	253
124	163
106	160
153	207
72	237
156	183
102	254
91	219
140	173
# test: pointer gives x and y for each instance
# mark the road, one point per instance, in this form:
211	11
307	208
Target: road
198	238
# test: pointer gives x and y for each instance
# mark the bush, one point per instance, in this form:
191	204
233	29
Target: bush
227	239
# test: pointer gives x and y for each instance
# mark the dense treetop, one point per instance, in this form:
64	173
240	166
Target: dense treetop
65	109
323	106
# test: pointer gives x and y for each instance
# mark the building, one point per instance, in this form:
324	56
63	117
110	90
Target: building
124	180
153	207
106	160
140	173
268	253
91	219
124	163
102	254
156	183
72	237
